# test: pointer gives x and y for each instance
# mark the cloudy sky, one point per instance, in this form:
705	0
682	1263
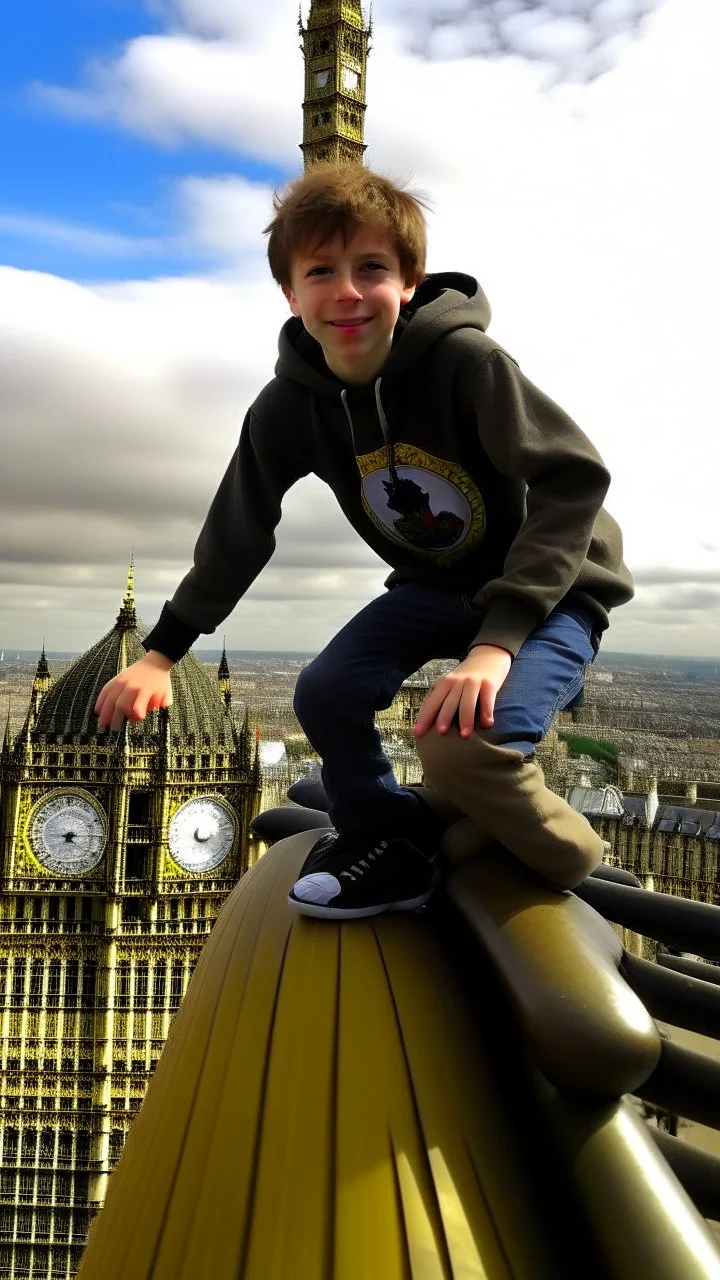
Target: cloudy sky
567	149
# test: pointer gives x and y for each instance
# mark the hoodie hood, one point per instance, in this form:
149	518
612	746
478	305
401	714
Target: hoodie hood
442	303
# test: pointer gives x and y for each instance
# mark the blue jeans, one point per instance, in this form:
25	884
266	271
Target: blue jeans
362	668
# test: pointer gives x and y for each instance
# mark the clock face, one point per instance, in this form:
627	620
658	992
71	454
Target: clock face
202	833
68	834
351	79
322	79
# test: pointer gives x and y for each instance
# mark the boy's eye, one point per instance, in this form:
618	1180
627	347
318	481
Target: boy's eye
371	265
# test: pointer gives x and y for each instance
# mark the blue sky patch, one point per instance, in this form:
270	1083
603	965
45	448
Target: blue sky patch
82	198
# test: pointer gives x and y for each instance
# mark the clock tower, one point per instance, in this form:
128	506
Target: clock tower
117	851
335	45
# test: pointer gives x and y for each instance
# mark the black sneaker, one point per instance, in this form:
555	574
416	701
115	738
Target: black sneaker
346	876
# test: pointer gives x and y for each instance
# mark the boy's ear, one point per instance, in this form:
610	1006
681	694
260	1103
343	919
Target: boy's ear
292	300
409	292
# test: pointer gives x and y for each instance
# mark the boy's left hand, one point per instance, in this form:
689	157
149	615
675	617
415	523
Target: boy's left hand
477	678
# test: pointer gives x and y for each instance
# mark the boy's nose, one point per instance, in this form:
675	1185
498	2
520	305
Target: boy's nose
347	289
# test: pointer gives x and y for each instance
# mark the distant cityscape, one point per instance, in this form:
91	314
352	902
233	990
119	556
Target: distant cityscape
659	716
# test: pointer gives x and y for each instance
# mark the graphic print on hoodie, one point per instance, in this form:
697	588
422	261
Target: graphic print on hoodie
424	502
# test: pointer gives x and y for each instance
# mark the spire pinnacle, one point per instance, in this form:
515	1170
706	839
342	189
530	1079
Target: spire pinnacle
43	669
223	677
129	600
127	619
41	683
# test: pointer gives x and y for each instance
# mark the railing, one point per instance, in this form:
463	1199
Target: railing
141	833
42	1237
138	884
166	927
67	928
38	888
51	1000
103	888
29	1198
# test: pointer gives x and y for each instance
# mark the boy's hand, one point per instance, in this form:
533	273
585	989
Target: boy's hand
478	677
133	692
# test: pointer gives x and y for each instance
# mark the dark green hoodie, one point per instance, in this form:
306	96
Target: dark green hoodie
452	466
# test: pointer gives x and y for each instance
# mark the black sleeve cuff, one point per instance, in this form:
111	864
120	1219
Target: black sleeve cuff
170	635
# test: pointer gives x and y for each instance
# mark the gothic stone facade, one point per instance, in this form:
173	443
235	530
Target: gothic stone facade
335	45
117	852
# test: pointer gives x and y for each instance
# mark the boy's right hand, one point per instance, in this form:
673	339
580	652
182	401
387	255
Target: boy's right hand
143	687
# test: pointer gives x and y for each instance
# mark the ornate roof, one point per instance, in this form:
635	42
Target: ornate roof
323	12
197	712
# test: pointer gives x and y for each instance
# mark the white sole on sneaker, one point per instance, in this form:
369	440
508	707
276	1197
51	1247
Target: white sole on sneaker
357	913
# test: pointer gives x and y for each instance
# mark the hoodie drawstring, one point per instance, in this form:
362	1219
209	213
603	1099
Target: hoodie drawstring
383	426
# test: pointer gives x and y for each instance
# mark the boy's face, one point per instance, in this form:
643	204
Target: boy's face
349	297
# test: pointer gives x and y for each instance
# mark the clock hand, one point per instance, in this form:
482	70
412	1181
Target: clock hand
71	838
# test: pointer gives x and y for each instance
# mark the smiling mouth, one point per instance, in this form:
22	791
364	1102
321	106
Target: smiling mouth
351	324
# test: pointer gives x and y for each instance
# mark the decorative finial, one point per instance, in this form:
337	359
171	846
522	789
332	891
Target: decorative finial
126	619
129	600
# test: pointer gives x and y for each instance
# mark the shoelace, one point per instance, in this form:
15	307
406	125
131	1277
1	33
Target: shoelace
362	865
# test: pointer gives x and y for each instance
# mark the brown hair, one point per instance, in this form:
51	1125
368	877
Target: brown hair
340	197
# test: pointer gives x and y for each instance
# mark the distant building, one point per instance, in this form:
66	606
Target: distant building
671	842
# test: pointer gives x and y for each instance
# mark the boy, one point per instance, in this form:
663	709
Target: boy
482	495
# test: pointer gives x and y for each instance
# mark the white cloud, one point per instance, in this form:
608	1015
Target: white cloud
589	215
226	217
77	238
574	40
119	411
221	218
226	19
175	88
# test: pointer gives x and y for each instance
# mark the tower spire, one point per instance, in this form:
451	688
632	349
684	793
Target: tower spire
41	682
130	588
127	618
335	45
223	677
42	666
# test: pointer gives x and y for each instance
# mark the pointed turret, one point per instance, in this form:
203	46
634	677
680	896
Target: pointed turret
223	678
41	683
335	45
127	619
43	670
